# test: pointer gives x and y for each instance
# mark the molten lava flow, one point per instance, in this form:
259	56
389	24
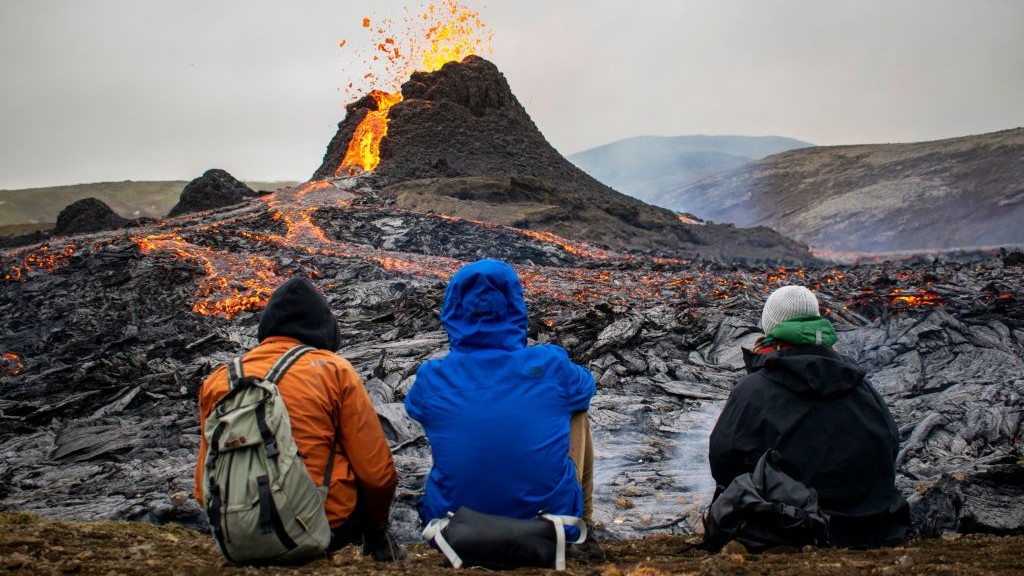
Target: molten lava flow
581	249
363	152
688	220
445	33
237	268
42	258
572	247
231	282
920	298
221	291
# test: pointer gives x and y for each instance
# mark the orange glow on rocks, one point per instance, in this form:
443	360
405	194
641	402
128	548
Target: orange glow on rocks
688	220
237	267
917	298
230	282
578	248
42	258
10	364
222	290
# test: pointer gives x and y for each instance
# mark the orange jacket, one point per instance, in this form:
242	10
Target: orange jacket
323	394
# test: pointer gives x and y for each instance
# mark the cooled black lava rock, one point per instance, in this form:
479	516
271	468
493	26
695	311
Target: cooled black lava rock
87	215
214	189
101	360
1015	258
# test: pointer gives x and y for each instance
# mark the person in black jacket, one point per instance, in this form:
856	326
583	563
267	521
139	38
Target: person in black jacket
831	428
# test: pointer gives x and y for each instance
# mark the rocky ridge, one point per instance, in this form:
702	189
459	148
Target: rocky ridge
957	193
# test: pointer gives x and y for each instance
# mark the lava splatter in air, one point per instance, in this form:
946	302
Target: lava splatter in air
445	32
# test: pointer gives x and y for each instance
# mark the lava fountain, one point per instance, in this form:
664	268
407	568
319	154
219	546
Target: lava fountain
443	33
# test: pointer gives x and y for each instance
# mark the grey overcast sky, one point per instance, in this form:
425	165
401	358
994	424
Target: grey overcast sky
103	90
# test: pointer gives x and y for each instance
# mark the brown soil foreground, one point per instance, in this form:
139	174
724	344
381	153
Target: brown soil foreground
29	545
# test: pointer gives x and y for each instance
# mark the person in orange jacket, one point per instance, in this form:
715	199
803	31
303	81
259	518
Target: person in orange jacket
326	400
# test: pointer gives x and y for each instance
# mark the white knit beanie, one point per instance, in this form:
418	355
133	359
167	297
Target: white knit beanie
785	303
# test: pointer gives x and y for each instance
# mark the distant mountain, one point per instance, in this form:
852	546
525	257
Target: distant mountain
648	167
957	193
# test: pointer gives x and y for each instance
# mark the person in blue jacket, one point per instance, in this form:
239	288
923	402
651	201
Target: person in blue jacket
496	412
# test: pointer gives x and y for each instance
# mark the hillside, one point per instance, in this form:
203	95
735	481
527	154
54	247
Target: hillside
956	193
130	199
649	167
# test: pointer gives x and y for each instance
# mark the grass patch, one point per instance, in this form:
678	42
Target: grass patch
18	229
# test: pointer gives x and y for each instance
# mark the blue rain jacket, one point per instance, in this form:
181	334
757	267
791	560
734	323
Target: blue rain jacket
496	412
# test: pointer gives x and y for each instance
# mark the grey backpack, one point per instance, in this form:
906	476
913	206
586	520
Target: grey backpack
262	504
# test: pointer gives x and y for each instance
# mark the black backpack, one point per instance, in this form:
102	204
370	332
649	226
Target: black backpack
766	508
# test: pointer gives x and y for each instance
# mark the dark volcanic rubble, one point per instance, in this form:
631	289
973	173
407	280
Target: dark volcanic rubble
102	353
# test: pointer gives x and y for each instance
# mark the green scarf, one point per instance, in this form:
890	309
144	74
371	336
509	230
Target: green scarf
803	331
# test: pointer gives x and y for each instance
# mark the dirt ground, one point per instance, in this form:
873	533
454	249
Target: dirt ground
29	545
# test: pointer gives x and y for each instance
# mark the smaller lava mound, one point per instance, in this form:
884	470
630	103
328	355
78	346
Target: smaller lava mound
214	189
87	215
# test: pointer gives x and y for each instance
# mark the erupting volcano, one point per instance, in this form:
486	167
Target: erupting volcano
459	143
455	140
441	34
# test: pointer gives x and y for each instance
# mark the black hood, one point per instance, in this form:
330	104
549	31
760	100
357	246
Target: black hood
298	310
807	370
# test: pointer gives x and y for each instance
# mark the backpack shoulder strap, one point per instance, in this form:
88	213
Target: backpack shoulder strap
285	362
237	380
235	372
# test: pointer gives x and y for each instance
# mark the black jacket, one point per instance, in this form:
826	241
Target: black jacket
833	432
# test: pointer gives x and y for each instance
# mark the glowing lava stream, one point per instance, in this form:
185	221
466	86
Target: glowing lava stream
363	152
232	282
10	364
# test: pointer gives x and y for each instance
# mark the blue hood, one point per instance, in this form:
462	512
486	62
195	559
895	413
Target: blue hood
484	308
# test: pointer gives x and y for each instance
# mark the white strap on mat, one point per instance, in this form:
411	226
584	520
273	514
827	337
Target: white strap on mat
434	529
433	532
560	522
